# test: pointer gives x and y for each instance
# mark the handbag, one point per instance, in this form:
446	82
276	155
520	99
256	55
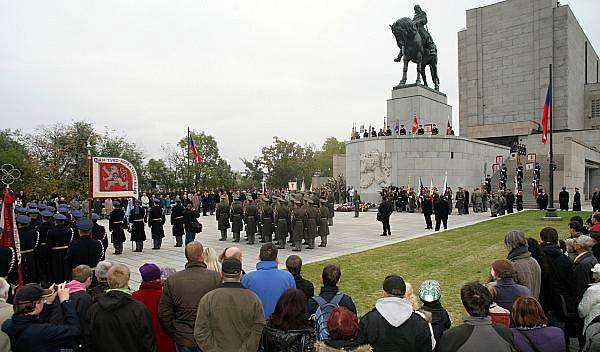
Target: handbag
380	216
196	227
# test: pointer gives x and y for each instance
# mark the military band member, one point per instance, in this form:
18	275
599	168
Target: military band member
177	223
41	252
323	222
281	219
298	221
250	218
156	221
236	218
266	218
99	234
117	223
223	217
312	218
58	240
29	241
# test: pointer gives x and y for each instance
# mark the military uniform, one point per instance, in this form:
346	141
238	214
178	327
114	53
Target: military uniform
8	265
42	251
250	218
223	219
84	251
312	217
266	218
177	223
58	241
117	223
298	221
330	207
29	241
281	219
356	200
156	221
99	234
323	223
236	220
138	234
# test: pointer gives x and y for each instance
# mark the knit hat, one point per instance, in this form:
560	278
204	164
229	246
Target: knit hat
502	266
231	267
430	291
150	272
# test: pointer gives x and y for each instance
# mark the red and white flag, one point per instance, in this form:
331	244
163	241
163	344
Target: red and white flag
545	115
10	238
113	178
415	125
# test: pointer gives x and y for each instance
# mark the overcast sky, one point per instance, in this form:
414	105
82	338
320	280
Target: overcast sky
240	70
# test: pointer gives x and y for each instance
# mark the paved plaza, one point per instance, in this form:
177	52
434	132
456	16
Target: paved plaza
348	235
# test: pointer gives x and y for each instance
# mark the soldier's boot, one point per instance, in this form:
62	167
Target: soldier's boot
178	241
157	243
297	246
223	235
269	238
138	246
323	241
262	238
236	237
330	221
281	243
118	248
251	239
311	243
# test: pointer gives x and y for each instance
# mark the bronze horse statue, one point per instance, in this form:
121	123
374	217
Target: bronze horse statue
413	49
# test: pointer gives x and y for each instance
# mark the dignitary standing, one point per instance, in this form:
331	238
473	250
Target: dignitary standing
442	210
384	212
427	205
156	221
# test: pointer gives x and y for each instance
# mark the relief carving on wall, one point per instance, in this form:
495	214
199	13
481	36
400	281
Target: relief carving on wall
375	169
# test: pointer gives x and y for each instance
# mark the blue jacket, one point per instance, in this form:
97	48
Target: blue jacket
269	283
506	292
32	333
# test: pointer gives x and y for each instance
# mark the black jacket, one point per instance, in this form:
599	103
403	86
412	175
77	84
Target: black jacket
441	208
558	279
33	333
85	250
305	286
582	275
275	340
385	208
427	206
440	320
327	293
118	322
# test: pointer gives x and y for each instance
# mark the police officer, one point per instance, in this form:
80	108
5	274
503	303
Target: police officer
298	220
236	218
117	223
99	233
323	222
281	220
250	218
136	218
58	240
177	222
29	241
222	217
156	221
85	250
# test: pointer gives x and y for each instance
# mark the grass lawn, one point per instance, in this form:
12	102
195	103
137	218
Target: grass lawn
453	258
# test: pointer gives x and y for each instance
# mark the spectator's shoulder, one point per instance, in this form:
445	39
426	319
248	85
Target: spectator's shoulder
455	337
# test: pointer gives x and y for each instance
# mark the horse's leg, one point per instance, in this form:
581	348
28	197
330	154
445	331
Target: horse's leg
434	76
418	72
404	71
423	75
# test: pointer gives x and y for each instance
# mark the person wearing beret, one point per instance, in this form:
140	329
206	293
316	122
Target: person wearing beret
29	241
57	241
266	219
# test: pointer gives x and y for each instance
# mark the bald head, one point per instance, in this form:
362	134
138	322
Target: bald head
194	252
233	252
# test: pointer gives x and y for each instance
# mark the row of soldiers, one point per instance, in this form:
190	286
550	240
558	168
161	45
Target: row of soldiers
52	241
306	218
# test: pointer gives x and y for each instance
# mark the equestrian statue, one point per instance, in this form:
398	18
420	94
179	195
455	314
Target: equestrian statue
416	45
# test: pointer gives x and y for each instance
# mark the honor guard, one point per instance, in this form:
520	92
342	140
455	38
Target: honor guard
62	209
266	218
236	218
76	215
156	221
34	216
136	218
117	223
99	233
41	258
298	221
177	223
281	220
85	250
312	216
58	241
402	130
250	218
29	241
222	217
8	263
323	222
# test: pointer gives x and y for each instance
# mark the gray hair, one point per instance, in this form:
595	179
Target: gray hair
515	239
102	270
4	288
585	242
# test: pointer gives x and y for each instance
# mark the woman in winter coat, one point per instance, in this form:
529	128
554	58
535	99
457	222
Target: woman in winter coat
342	326
289	329
589	307
531	332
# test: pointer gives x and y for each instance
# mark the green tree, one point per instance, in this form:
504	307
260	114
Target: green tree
253	174
286	161
324	159
110	144
157	170
14	152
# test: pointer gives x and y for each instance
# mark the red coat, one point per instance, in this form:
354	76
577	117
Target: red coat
149	294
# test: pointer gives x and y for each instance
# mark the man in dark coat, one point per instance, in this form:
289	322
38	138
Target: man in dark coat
293	264
385	210
177	223
41	253
557	283
331	277
156	221
582	275
99	234
563	199
117	321
29	240
466	202
266	219
204	200
117	223
596	200
58	240
427	206
223	218
510	201
542	200
190	216
281	220
251	219
237	213
136	218
441	209
85	250
577	200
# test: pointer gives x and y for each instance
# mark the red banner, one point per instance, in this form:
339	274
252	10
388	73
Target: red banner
113	178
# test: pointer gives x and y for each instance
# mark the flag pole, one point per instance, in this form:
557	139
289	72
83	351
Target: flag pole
188	161
551	167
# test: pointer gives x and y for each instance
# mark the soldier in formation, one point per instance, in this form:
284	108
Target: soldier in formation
156	220
137	218
177	223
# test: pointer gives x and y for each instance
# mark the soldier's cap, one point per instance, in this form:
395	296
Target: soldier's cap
46	214
30	293
231	267
75	206
59	217
577	189
309	201
32	211
63	209
116	203
96	216
51	209
23	219
322	200
85	224
41	207
21	210
31	205
77	214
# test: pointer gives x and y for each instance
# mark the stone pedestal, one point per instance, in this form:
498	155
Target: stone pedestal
428	105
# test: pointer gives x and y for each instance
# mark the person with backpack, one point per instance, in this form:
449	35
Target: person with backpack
320	307
589	310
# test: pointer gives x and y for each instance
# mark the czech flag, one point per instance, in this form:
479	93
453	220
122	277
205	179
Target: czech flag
415	125
545	115
192	147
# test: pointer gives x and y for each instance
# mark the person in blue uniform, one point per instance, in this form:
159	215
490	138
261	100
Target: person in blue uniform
156	221
85	250
29	240
58	240
177	223
41	253
136	218
99	233
8	263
